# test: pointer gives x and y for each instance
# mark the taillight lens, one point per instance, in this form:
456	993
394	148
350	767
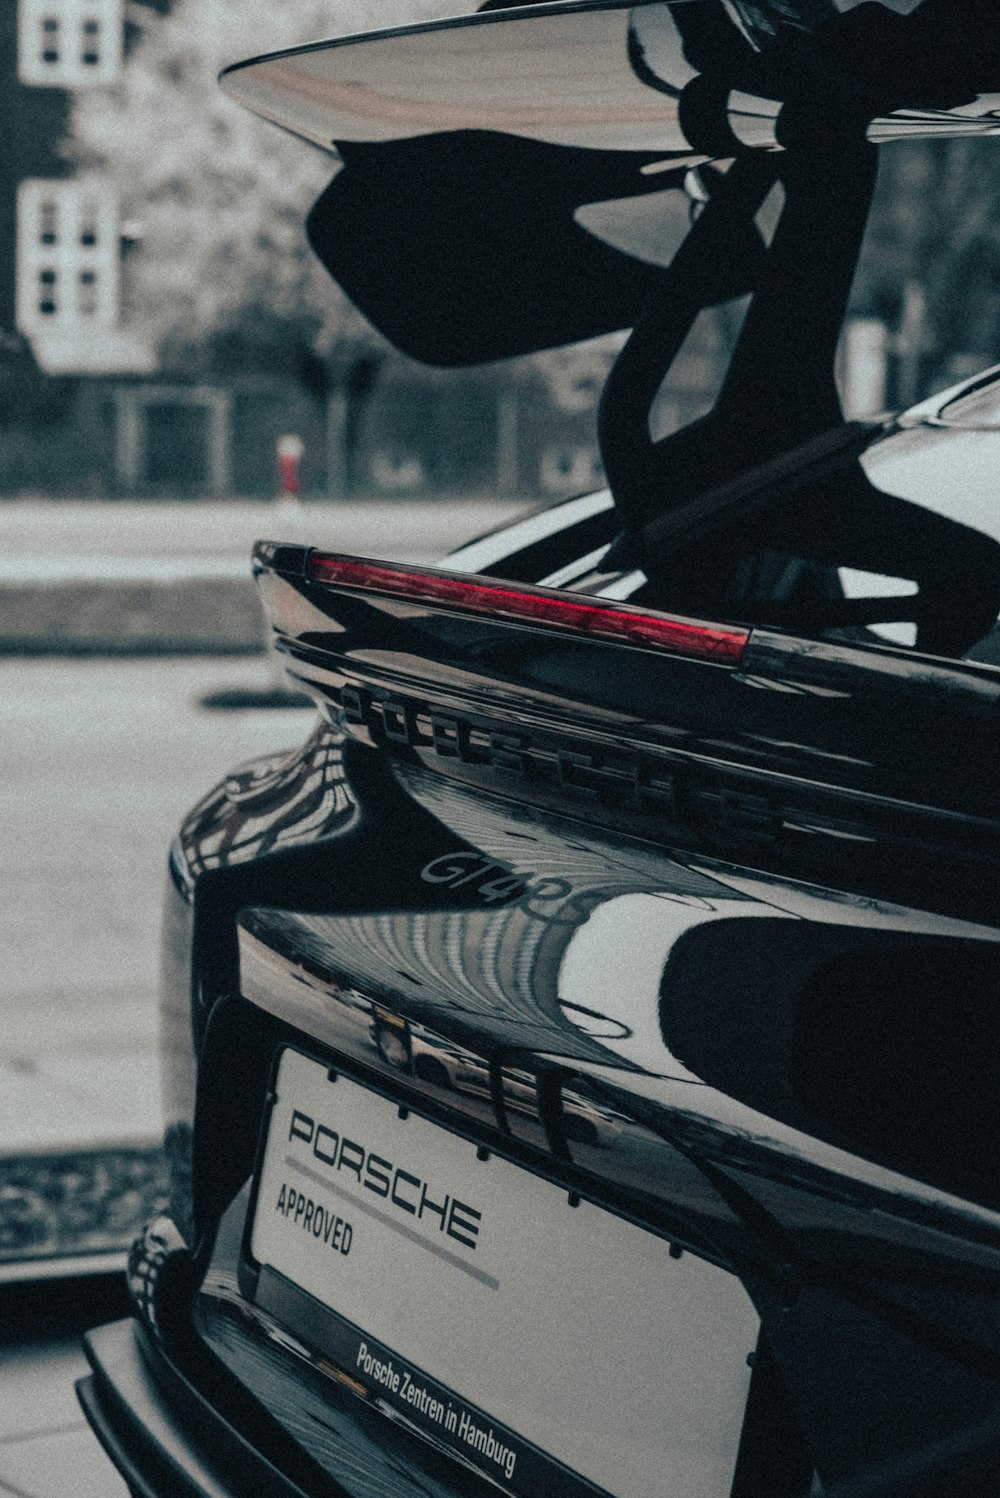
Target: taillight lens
592	618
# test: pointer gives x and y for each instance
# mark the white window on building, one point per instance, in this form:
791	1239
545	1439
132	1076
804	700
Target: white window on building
67	257
68	278
69	43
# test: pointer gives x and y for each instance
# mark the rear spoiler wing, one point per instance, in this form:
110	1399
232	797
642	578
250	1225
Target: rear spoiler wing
469	146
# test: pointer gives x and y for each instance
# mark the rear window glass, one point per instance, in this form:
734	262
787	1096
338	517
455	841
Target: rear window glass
953	471
948	466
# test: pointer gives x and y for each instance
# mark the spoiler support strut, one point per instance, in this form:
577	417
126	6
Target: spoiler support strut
734	483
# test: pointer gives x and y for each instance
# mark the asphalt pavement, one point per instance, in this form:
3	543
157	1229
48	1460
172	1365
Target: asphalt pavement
130	578
101	759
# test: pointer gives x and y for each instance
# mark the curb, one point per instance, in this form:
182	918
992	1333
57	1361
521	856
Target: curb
203	615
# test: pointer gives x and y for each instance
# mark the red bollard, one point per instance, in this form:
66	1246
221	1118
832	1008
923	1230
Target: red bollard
289	450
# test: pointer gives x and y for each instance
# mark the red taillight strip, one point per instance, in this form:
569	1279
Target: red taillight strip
546	606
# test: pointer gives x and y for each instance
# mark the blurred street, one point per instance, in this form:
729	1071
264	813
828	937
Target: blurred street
101	760
131	578
52	540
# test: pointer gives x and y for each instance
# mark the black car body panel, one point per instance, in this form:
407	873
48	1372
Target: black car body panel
671	934
709	944
579	1054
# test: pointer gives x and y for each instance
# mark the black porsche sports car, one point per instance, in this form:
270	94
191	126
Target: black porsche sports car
580	1054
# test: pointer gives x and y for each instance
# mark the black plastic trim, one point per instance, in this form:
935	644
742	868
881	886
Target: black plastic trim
157	1442
100	1423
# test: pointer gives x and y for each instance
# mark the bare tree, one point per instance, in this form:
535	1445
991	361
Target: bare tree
216	197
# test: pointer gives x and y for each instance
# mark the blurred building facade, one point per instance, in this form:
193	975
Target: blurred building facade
61	330
90	406
87	406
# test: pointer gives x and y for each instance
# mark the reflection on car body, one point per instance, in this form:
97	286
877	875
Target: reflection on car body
578	1056
441	1064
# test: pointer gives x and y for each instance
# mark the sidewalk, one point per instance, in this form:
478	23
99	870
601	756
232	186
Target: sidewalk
47	1450
46	535
102	759
127	578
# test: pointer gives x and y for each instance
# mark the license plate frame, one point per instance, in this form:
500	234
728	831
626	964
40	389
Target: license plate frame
458	1289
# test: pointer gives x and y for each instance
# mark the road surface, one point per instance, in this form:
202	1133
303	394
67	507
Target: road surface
101	760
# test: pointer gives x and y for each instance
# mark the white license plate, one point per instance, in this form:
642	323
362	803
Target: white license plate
528	1335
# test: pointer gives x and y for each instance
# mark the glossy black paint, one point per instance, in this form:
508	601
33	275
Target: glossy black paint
873	763
716	948
711	946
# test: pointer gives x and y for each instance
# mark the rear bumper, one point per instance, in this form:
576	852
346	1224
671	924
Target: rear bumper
164	1437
